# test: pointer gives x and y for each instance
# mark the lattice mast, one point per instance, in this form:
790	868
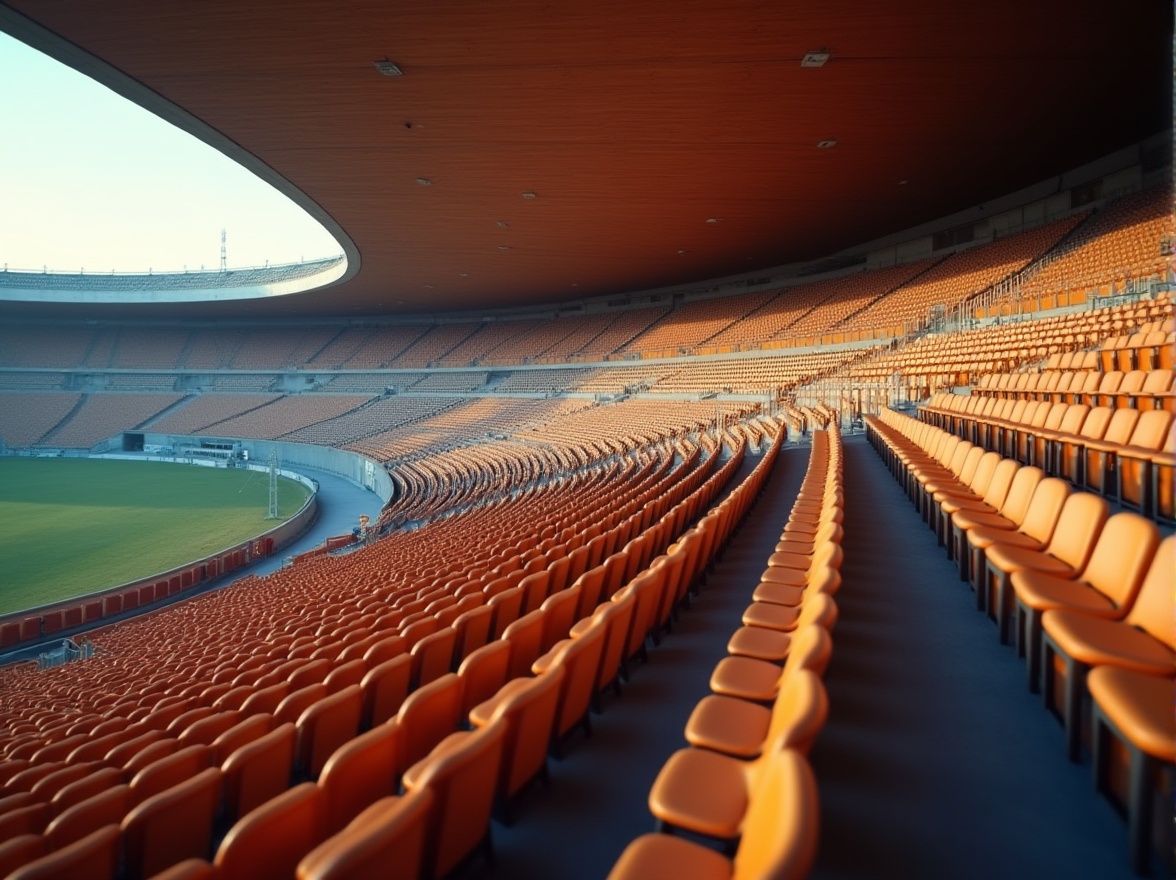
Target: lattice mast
273	485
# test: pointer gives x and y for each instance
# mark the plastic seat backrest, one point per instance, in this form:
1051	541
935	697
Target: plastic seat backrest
535	588
295	703
526	641
170	771
206	730
268	842
463	774
781	826
507	606
647	588
812	646
137	753
361	772
618	618
1045	507
473	629
561	609
483	672
433	655
95	855
1121	425
429	715
246	731
580	658
528	706
172	825
389	832
1094	426
1155	603
344	674
591	584
83	818
385	687
1075	416
1121	557
311	672
392	646
1151	429
1158	381
94	782
1078	527
418	629
1054	416
326	725
799	712
259	770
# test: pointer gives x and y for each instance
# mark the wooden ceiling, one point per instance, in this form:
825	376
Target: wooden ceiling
634	122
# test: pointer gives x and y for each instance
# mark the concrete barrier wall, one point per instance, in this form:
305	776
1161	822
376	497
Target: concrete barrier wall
349	465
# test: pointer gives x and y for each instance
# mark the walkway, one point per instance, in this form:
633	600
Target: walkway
936	761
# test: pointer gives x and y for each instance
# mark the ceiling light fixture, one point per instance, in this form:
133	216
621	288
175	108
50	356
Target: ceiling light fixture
528	195
815	59
903	182
388	68
502	224
503	247
713	219
826	144
424	181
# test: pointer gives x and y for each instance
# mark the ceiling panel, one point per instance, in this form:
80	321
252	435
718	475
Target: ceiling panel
632	122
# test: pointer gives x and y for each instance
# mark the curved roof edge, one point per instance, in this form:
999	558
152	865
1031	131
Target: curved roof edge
165	287
44	40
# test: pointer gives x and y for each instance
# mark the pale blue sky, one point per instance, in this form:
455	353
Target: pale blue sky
90	180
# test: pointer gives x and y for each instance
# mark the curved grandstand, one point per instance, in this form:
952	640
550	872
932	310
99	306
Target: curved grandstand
163	287
656	489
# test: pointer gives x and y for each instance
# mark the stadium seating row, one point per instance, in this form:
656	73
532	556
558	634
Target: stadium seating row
1087	594
745	780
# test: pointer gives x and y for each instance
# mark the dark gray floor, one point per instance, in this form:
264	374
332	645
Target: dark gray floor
936	761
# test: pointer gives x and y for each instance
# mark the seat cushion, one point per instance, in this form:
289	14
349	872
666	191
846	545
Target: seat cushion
1006	557
702	791
972	519
984	537
789	577
760	644
803	547
1097	641
1140	706
660	855
746	678
778	594
729	725
769	616
798	561
1042	591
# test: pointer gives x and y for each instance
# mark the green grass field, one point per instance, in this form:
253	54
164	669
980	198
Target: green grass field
72	526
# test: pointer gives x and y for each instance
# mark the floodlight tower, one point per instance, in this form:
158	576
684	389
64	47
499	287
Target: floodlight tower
273	485
224	264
